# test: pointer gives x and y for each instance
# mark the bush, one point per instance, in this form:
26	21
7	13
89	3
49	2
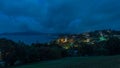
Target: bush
113	46
54	53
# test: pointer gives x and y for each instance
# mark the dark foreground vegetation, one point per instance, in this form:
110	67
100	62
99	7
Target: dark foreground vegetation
78	62
12	53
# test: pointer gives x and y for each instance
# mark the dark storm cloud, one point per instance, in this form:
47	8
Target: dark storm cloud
58	15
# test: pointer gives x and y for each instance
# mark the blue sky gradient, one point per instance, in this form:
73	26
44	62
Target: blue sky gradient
59	16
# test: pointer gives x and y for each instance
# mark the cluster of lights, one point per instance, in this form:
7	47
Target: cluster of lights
65	40
69	42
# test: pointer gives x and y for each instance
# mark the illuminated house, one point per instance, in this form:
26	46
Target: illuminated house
65	40
118	36
76	45
71	40
86	35
62	40
102	38
87	40
109	31
101	34
66	46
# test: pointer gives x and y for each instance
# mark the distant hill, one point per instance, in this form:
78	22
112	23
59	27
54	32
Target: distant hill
61	34
23	33
31	33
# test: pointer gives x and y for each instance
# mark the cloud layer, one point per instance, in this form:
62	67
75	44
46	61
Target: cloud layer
71	16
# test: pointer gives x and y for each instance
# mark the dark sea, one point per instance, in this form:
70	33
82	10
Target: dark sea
28	39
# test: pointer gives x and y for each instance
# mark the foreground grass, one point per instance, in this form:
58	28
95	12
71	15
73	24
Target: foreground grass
79	62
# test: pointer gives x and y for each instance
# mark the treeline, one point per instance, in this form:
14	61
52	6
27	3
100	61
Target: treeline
12	53
19	53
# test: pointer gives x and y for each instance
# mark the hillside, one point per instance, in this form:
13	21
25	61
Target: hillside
80	47
79	62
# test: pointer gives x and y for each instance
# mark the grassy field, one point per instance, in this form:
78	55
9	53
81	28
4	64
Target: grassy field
78	62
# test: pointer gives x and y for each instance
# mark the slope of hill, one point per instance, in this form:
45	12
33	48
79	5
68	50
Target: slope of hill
23	33
79	62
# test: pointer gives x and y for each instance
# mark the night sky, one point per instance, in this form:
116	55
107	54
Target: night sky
59	16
